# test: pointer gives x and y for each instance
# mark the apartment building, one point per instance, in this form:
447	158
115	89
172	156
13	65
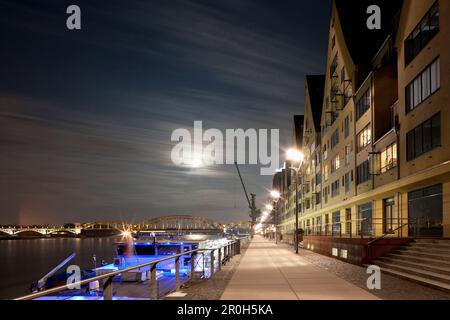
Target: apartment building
376	172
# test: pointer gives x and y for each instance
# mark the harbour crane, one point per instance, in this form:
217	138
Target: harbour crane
254	213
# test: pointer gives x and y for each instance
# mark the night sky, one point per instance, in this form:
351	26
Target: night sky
86	116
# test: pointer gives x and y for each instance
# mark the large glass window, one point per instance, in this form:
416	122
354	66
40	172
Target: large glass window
389	158
362	172
425	209
363	104
427	83
364	138
422	34
365	219
424	137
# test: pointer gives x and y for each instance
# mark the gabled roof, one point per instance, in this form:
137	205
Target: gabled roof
362	43
316	87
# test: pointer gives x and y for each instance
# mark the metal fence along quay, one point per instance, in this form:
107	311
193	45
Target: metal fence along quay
217	256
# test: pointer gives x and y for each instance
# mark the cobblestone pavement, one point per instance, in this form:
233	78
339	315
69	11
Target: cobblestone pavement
392	288
211	289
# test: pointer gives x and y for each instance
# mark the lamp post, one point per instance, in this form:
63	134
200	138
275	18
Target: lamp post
295	156
275	195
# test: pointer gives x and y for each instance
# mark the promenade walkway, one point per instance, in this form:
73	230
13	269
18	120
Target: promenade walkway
272	272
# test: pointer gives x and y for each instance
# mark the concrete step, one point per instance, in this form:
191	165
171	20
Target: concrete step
429	255
423	281
438	246
414	271
426	249
430	240
418	265
413	258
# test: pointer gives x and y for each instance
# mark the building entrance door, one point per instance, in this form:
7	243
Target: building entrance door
425	210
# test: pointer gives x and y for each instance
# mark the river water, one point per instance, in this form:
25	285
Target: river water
27	260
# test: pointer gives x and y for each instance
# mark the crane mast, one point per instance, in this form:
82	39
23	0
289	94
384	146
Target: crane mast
254	213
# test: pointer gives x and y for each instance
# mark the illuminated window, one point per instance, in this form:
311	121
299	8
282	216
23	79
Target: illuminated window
335	164
364	138
389	158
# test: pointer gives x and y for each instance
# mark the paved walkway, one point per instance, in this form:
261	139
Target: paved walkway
271	272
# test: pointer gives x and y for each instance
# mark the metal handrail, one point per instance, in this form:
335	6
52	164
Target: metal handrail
110	275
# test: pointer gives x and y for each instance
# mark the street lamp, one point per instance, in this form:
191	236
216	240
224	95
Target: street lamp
269	207
275	194
294	155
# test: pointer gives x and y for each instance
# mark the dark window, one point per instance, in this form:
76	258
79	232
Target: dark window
335	189
336	222
424	137
423	86
343	74
425	209
334	65
347	182
363	104
334	139
422	34
365	219
333	42
362	172
346	127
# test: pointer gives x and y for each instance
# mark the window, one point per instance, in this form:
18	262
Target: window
347	154
348	220
343	74
423	86
347	182
325	151
362	173
365	219
422	34
335	164
317	157
335	188
346	127
318	179
363	104
334	65
334	139
424	137
389	158
333	42
336	222
325	172
364	138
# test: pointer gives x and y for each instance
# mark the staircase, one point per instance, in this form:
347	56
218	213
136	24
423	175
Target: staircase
425	261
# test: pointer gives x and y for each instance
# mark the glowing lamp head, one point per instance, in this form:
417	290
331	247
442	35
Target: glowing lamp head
275	194
269	207
294	155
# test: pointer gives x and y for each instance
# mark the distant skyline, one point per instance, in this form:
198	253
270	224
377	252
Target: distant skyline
86	116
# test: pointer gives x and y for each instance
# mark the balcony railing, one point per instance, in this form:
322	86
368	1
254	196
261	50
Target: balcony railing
368	228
